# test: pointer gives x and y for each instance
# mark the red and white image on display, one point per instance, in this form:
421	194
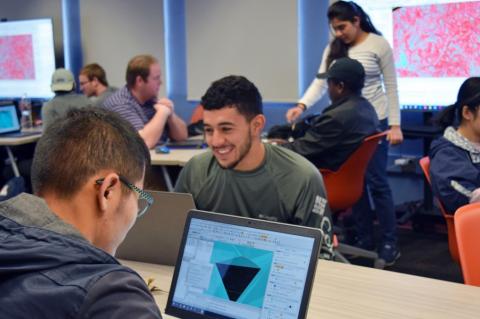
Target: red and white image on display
441	40
16	57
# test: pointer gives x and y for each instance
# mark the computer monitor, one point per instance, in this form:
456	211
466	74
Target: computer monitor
435	46
27	58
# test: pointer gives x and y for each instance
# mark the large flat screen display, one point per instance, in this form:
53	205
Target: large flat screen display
27	58
435	44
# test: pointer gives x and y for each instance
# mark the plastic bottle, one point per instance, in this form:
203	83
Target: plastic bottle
26	112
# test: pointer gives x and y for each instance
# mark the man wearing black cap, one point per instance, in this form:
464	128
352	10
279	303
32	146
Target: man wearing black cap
341	128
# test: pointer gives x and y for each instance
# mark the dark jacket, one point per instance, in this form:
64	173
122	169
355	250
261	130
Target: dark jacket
337	132
48	270
452	157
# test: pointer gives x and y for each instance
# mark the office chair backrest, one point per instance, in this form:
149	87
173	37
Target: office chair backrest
345	186
467	224
452	240
197	114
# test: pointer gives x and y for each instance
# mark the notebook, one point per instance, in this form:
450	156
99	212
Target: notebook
9	123
242	268
156	236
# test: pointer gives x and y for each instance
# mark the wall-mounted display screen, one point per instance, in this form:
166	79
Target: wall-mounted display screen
435	44
27	58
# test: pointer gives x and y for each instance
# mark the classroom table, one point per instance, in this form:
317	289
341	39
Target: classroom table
176	157
15	141
349	291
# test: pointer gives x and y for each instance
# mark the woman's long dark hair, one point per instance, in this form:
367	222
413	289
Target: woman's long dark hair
468	95
347	11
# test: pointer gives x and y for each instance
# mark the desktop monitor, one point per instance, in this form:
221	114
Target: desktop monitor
27	58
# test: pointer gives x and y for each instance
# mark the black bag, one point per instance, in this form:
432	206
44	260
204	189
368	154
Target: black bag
287	131
195	129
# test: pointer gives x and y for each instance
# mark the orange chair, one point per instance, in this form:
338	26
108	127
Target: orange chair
452	240
197	114
467	224
345	187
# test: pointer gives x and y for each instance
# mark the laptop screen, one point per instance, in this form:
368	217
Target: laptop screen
8	119
234	267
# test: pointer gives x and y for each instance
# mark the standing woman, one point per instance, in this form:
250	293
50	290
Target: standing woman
357	38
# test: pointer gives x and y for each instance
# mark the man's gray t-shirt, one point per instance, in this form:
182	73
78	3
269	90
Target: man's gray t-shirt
285	187
60	104
99	100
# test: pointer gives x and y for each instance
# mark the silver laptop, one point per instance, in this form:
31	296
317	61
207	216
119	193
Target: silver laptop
156	236
243	268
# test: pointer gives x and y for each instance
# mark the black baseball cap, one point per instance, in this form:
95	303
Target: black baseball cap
345	70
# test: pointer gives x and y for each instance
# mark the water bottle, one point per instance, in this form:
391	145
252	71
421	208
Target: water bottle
26	112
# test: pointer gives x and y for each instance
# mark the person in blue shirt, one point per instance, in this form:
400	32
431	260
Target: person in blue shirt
57	247
455	157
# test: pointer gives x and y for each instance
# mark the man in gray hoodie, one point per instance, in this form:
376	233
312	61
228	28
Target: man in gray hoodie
57	246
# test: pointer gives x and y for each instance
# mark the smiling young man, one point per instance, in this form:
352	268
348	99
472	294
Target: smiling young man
243	176
57	246
137	102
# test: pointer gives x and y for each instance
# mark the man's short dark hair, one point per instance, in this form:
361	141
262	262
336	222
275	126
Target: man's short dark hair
234	91
94	70
81	144
139	66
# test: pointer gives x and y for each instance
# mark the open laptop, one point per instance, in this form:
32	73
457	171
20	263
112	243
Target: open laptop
9	123
156	236
191	143
243	268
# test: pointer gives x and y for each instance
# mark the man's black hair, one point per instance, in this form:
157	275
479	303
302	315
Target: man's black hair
81	144
234	91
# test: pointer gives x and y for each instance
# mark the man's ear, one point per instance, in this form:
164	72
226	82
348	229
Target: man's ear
257	124
139	80
340	87
107	190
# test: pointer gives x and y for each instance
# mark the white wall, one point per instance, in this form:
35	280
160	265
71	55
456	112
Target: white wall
257	39
113	31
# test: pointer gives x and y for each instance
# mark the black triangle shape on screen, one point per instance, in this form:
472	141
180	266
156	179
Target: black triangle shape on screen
236	278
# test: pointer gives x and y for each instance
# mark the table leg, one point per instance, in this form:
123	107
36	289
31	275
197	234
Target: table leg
13	162
167	179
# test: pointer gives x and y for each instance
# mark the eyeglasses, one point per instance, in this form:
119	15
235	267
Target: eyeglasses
145	200
83	83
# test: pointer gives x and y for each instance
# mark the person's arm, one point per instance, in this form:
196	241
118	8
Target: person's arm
387	67
119	294
312	210
315	91
447	165
153	130
319	140
177	129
